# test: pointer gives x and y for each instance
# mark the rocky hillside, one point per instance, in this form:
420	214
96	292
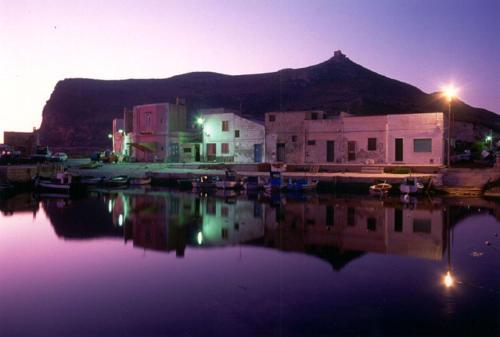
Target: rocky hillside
79	111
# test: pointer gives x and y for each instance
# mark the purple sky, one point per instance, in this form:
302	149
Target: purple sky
424	43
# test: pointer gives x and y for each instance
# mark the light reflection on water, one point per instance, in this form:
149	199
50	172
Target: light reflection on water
204	264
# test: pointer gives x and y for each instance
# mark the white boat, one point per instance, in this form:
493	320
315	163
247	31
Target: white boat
89	180
140	181
62	182
229	182
380	189
411	187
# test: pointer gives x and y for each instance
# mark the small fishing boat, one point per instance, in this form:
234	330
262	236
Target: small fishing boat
203	182
62	182
229	182
90	180
275	183
252	183
301	185
411	186
380	189
117	181
139	181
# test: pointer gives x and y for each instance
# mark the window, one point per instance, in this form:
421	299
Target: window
422	145
272	118
422	225
311	142
330	214
225	125
294	139
398	220
224	233
236	133
372	144
371	224
147	117
211	206
224	148
314	115
187	150
224	211
350	216
211	149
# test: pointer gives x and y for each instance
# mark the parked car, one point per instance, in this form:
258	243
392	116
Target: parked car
41	154
59	157
9	155
465	156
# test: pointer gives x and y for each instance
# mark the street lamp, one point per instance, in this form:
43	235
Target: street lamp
450	92
199	121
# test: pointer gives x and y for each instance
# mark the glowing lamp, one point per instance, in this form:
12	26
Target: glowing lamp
200	121
448	280
110	135
450	92
199	238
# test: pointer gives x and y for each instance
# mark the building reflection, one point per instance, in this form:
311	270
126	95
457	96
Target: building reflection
336	229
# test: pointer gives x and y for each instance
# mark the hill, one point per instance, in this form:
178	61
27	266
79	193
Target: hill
79	111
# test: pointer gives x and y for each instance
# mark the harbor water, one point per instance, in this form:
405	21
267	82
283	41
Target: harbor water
157	262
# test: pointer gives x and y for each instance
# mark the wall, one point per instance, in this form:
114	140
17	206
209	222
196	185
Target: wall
312	137
241	149
415	126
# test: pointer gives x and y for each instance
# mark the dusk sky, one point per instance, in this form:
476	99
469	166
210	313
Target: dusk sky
425	43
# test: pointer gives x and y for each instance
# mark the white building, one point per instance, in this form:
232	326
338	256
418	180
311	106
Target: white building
230	137
312	137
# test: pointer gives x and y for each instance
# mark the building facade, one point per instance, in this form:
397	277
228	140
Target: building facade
313	137
230	137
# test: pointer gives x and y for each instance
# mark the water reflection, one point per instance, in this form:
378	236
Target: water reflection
336	229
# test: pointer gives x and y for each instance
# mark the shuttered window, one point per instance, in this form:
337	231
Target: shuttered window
422	145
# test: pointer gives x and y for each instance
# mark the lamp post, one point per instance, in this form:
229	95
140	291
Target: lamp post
450	92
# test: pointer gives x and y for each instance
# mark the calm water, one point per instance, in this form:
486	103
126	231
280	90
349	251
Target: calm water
162	263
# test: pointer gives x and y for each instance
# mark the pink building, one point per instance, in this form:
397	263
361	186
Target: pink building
155	128
118	135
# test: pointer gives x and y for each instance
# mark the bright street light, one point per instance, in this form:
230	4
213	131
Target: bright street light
110	135
448	280
450	92
199	120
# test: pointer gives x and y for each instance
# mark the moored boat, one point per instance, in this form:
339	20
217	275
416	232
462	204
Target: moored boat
140	181
380	189
62	182
411	186
252	183
229	182
203	182
90	180
117	181
301	185
275	183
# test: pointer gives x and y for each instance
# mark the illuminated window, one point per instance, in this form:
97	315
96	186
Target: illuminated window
225	125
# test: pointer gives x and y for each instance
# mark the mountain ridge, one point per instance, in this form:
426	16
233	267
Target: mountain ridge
80	110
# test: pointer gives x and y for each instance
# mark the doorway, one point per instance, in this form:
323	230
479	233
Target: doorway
399	149
330	151
257	153
280	152
351	150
